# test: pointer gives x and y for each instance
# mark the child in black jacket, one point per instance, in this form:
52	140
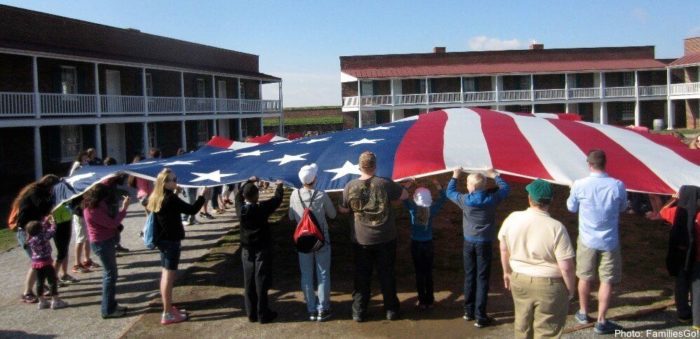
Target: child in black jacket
256	244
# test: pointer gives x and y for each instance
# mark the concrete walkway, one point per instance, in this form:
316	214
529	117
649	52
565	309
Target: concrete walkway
139	277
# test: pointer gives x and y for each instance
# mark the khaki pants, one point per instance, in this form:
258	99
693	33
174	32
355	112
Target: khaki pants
541	305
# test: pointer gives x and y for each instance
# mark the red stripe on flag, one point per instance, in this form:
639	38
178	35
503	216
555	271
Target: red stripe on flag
220	142
509	149
420	150
621	164
673	144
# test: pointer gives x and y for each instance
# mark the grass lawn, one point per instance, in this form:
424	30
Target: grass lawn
7	239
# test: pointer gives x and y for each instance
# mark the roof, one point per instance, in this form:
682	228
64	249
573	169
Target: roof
41	32
690	59
500	62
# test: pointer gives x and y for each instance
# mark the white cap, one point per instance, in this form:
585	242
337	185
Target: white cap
307	174
422	197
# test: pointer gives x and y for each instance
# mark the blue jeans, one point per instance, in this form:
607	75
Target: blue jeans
477	270
322	264
22	242
108	256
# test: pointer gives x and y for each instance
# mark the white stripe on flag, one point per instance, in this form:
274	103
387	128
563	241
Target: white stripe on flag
560	156
465	144
673	169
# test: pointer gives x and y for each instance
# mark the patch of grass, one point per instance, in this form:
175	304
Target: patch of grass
7	239
324	120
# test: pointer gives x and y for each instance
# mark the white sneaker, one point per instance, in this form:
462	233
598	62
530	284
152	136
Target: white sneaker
44	304
58	303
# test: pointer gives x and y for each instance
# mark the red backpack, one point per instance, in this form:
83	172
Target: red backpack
308	237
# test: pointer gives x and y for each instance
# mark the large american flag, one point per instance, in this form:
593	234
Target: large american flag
551	147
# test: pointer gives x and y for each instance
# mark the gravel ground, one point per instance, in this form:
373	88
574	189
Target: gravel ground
139	276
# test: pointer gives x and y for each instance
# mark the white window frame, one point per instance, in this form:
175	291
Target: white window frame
200	88
627	111
202	132
71	142
73	88
628	79
469	84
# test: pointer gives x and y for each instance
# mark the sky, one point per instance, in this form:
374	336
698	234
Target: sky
301	41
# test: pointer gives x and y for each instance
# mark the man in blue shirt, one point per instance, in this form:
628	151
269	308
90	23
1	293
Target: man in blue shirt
478	223
599	200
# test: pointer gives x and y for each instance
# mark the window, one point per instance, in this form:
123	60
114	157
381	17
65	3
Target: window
152	136
71	142
628	79
366	87
149	84
69	80
201	92
524	82
202	132
627	111
469	85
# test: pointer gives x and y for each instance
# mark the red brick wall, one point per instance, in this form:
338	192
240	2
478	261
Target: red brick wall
15	73
131	79
165	84
50	75
349	89
549	81
444	85
691	45
381	87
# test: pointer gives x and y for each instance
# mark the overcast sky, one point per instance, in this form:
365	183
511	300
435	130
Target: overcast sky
301	40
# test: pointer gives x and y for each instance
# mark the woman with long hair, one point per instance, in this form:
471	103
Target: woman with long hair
33	203
103	230
81	160
169	232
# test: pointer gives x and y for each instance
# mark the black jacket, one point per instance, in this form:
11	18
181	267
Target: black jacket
169	220
255	230
35	206
681	245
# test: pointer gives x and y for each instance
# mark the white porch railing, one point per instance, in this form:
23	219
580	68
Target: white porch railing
269	106
515	95
121	104
686	88
67	104
164	105
479	96
199	105
376	100
249	105
619	92
648	91
443	98
228	105
16	104
584	93
410	99
550	94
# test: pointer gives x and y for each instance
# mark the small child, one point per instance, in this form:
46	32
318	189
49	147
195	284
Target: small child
422	209
39	236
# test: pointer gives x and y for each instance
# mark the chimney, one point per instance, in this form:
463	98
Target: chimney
536	46
691	46
439	50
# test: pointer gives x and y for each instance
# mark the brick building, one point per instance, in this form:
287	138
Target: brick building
615	85
67	85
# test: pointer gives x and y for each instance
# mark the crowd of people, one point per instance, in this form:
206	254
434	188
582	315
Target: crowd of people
539	262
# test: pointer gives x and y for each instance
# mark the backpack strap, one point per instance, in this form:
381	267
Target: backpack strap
303	205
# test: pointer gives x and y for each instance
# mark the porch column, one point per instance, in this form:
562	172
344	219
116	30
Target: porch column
532	93
670	114
497	88
144	91
38	166
603	105
391	88
183	135
461	90
215	128
213	96
240	129
359	104
427	95
262	126
566	92
637	115
182	92
98	140
144	133
98	106
281	108
35	86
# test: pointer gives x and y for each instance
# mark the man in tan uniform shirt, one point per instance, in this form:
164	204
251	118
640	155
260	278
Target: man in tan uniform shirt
538	266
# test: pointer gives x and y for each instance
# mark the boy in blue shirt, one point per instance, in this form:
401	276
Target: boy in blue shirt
422	209
478	223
